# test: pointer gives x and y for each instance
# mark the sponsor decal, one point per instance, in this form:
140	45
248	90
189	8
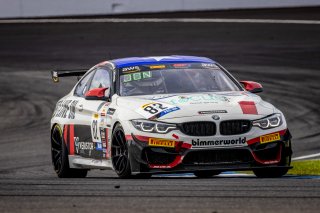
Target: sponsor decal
270	138
81	146
95	116
102	134
65	109
203	143
158	97
103	113
166	111
111	111
212	112
199	99
131	69
205	65
181	65
157	66
161	142
137	76
156	110
99	146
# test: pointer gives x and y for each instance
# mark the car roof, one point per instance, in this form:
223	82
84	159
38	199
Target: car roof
136	61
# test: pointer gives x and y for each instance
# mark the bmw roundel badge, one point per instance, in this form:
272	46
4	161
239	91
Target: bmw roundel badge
216	117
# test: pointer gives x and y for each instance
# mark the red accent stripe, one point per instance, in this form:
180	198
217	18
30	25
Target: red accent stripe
175	136
139	137
146	139
71	138
277	160
186	145
65	134
129	138
174	163
142	138
257	139
248	107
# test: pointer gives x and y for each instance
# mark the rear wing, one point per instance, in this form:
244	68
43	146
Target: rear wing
64	73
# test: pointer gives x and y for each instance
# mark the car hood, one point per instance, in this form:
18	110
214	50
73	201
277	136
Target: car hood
186	105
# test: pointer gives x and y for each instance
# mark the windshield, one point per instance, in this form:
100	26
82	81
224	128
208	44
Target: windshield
174	78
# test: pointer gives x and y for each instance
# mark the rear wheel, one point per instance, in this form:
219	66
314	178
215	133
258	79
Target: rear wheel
59	154
206	174
120	153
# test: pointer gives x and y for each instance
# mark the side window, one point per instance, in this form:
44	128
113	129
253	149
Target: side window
101	79
83	85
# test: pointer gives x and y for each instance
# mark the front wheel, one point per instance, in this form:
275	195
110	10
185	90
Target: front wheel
120	153
59	154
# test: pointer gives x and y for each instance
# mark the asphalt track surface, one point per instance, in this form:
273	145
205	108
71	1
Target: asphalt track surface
283	57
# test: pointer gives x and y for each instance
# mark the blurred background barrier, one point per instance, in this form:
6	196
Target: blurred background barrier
52	8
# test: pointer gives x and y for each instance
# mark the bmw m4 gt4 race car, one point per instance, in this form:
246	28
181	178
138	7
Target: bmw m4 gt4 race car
170	114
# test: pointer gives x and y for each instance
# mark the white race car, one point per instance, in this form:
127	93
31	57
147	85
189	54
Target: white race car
170	114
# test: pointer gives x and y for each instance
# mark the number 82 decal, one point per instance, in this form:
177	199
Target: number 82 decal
155	110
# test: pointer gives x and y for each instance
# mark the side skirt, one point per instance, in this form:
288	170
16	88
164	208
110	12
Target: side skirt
78	162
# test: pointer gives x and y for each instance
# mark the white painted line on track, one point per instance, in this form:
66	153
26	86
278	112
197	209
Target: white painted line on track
306	157
155	20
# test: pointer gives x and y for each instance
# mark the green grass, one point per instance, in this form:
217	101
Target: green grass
306	167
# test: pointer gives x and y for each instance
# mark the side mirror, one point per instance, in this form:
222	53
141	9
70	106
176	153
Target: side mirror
98	94
252	86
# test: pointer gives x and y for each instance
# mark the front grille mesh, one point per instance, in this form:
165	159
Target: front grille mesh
234	127
198	128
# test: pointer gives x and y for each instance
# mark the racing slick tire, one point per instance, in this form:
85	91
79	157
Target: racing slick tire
206	174
120	153
59	154
277	172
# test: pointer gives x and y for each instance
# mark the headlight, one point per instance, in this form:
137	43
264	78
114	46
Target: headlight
152	126
269	122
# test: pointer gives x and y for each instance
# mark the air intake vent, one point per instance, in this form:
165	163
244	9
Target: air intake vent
223	156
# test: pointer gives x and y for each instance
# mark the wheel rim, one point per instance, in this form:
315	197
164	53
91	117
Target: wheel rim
119	151
56	148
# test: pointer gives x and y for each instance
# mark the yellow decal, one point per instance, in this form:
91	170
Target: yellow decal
158	67
145	105
161	142
270	138
95	116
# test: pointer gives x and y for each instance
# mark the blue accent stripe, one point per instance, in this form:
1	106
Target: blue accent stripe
137	61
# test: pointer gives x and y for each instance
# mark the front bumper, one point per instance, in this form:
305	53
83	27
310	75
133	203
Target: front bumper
181	158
